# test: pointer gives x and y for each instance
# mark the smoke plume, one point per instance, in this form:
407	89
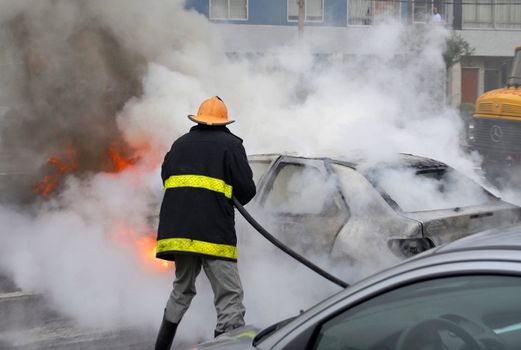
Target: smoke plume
82	78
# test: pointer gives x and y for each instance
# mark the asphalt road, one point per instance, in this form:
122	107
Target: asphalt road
28	322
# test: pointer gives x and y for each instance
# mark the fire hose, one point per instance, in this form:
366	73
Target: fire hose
285	248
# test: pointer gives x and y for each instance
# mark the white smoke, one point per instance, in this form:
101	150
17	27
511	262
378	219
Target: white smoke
430	193
388	100
70	249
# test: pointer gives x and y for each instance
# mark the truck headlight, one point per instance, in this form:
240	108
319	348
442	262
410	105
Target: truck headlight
470	131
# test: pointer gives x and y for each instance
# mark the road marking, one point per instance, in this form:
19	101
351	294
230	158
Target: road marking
15	295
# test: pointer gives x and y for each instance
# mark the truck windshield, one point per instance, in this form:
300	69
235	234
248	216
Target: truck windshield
515	77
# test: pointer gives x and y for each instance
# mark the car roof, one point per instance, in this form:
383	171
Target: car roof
504	238
358	158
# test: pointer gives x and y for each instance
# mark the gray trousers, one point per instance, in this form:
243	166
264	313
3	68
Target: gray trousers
226	285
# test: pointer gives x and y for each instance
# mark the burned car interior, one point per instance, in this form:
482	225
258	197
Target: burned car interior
444	185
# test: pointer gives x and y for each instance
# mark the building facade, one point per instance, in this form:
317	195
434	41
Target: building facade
492	28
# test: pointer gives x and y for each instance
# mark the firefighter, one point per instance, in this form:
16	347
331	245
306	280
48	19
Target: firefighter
201	172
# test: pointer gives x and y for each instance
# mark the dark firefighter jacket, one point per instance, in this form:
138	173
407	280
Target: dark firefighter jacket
200	173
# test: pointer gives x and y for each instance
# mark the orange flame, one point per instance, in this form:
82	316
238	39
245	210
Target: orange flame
143	245
147	252
60	166
120	162
45	186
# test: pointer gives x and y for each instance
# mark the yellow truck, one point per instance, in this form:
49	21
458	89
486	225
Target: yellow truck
495	128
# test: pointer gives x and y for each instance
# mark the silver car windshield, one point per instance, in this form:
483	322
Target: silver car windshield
428	189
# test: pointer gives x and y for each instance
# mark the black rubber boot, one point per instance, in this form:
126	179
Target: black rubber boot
217	333
166	334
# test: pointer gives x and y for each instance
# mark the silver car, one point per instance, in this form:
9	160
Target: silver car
352	208
463	295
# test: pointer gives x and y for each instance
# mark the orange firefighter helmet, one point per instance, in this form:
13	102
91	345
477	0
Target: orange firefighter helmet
212	111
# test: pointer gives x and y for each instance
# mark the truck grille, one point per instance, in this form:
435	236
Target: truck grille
496	139
511	109
485	107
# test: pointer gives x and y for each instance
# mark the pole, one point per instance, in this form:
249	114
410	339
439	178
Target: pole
301	17
458	15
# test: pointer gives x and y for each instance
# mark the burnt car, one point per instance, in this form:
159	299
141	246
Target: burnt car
350	207
463	295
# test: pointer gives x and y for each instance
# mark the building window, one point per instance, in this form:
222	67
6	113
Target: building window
501	14
423	10
420	10
313	11
492	79
477	14
507	14
366	12
229	9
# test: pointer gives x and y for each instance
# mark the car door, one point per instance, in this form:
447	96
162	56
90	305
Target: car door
372	224
302	204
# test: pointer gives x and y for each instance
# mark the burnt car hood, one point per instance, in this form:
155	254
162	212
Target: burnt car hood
442	226
238	339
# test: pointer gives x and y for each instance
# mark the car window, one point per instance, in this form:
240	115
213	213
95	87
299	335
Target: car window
471	312
429	189
300	189
362	198
259	168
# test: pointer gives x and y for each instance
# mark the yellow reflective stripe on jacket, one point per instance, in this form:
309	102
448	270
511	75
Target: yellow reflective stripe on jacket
193	246
199	181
